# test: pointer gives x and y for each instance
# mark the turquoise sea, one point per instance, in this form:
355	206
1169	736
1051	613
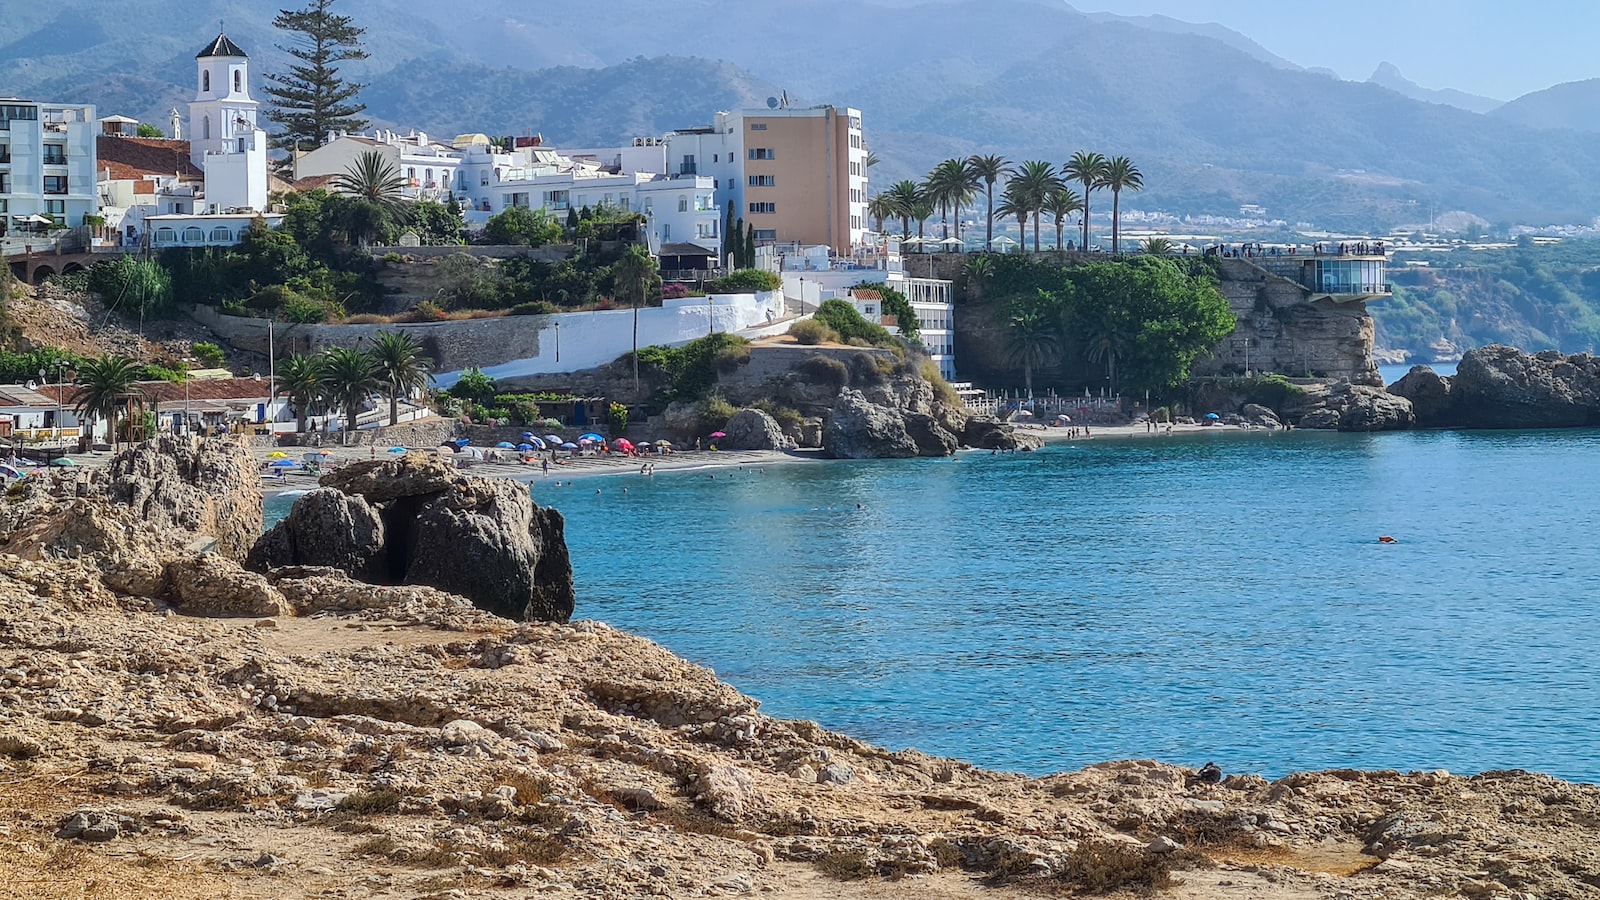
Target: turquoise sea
1203	597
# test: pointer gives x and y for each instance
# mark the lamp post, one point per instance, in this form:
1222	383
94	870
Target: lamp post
711	321
186	419
558	342
802	295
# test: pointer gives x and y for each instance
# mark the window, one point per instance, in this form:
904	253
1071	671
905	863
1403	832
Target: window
205	82
165	235
9	112
193	235
5	205
556	199
706	230
758	126
427	177
758	208
761	153
484	178
205	126
411	173
5	183
762	181
683	203
238	82
666	231
55	184
716	157
57	208
688	166
730	184
625	200
221	235
766	234
55	155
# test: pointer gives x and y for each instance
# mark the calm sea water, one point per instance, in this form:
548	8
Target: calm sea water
1196	598
1391	374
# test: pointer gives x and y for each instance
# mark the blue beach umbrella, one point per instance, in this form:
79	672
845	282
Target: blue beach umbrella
284	464
527	434
569	446
554	439
524	447
1212	416
505	445
397	449
536	442
591	436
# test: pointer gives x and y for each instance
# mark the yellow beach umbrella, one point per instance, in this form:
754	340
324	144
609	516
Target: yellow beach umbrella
277	454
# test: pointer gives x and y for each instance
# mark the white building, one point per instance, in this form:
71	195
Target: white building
931	300
210	230
224	140
47	164
428	167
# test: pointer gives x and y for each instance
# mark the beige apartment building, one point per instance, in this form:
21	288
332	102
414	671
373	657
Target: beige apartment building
794	175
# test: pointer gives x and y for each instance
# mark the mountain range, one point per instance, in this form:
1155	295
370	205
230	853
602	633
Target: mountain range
1213	119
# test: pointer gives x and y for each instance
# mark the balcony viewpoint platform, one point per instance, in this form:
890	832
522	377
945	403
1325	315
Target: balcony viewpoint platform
1343	273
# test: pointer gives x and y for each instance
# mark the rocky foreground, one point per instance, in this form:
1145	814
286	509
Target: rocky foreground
173	725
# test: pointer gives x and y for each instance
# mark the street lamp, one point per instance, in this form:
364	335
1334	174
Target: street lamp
558	342
711	320
802	295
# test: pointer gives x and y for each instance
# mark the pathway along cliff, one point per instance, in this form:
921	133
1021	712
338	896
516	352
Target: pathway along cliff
176	726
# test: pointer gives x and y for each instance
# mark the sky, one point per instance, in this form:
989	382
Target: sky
1493	48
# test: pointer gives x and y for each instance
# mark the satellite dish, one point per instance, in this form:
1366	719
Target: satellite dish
772	103
32	386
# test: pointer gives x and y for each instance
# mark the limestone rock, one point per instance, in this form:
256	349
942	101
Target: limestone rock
989	433
753	429
1259	416
930	435
1501	387
1430	395
326	527
417	521
210	585
1357	407
860	429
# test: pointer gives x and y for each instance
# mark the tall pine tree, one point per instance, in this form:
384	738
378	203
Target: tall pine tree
311	101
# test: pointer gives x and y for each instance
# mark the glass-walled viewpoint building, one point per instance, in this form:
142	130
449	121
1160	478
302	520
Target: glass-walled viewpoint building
1344	276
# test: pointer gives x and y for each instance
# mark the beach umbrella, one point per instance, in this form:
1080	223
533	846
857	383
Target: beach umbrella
10	472
324	453
62	461
523	447
472	452
1063	418
663	443
397	449
555	439
461	442
506	445
283	464
569	446
719	434
530	439
527	434
1024	414
591	436
277	454
622	444
1213	416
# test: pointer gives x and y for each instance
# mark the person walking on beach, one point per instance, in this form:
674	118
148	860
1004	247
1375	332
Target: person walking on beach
544	466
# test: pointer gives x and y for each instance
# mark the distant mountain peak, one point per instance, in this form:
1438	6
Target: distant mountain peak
1388	75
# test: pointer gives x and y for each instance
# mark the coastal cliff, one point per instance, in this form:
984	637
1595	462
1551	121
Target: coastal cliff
300	734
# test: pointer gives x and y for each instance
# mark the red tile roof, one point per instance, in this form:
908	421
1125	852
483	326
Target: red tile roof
312	182
132	158
865	294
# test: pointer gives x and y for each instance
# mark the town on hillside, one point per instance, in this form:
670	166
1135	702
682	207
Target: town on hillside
343	274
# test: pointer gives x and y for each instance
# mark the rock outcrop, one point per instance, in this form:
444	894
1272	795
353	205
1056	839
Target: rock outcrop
989	433
1356	407
1502	387
860	429
417	520
1430	396
753	429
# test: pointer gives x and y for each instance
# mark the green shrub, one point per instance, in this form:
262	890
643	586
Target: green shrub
788	418
619	416
713	413
895	304
729	359
1273	391
929	370
155	372
302	310
850	326
366	319
534	308
811	332
210	355
688	371
428	311
745	281
474	386
825	370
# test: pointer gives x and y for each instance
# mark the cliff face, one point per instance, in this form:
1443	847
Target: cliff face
1286	332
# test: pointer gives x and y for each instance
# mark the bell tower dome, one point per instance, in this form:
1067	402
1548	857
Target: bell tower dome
222	110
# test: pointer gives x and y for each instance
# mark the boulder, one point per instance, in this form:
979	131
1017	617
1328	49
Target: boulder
326	528
860	429
930	435
1357	407
1259	416
1501	387
753	429
416	520
211	585
1431	396
989	433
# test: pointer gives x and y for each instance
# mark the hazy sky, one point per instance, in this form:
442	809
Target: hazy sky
1495	48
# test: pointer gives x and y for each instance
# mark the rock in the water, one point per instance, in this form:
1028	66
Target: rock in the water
753	429
1259	416
930	435
481	538
861	429
1430	394
1357	407
989	433
1501	387
326	528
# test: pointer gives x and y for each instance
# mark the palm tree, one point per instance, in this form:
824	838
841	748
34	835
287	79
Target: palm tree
949	185
1014	203
1039	180
922	211
880	207
634	273
1031	333
1106	343
989	170
1157	246
349	378
374	187
977	272
402	366
301	379
107	386
903	197
1088	169
1120	173
1062	202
